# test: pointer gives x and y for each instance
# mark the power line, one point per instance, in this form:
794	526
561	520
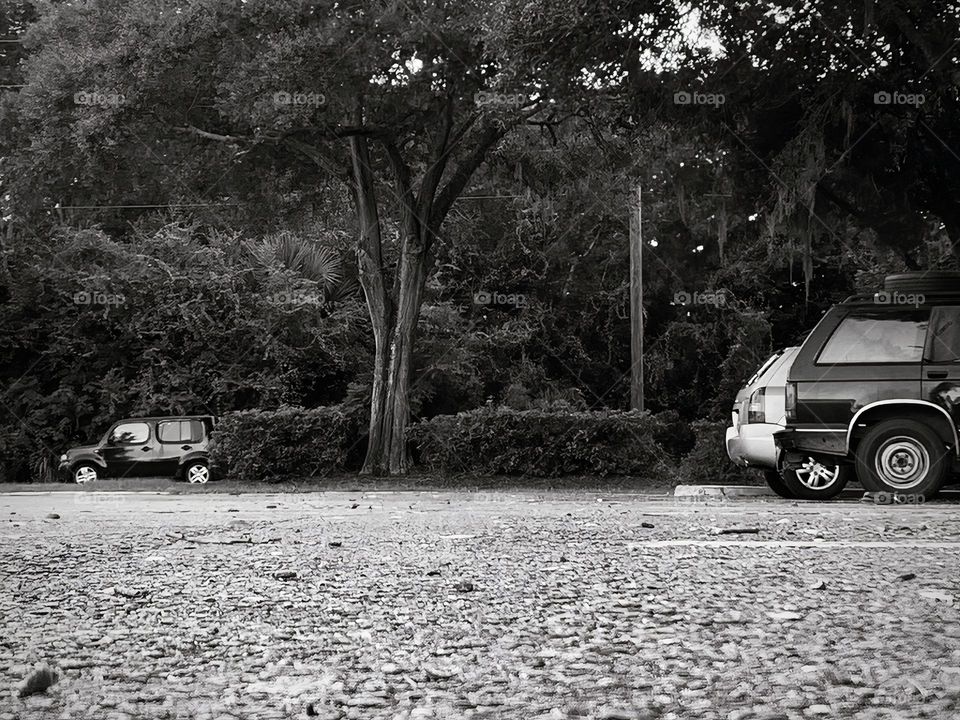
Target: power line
141	207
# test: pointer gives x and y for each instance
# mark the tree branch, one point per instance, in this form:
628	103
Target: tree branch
489	137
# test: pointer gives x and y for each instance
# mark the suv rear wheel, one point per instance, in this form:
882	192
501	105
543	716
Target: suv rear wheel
816	480
902	456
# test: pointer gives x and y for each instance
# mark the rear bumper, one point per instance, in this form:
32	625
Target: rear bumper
753	445
820	442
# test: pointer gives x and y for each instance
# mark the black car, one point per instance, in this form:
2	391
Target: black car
876	386
145	447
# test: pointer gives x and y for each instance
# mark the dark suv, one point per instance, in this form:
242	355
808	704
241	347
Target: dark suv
876	385
144	447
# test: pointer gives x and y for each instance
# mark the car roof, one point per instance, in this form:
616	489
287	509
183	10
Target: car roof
157	418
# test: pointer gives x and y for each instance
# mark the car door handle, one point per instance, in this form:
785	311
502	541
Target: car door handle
147	449
186	447
937	374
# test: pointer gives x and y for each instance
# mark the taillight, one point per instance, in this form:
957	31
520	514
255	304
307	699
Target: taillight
791	401
756	412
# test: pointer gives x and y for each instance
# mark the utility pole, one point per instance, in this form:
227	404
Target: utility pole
636	302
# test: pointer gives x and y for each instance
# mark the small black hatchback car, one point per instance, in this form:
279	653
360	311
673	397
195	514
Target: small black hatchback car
876	386
144	447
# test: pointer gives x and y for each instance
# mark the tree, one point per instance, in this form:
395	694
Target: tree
401	102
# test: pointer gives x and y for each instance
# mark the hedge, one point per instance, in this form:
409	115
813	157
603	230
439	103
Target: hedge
272	445
539	443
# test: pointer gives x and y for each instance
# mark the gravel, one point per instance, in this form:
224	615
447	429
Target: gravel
485	605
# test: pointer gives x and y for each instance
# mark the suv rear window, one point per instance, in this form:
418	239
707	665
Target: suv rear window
945	342
873	338
177	431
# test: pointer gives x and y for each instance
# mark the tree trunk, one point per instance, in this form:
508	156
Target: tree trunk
413	276
395	313
379	305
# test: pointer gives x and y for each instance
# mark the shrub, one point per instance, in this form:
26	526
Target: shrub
708	463
540	443
272	445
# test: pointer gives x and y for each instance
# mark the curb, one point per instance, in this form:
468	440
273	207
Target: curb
47	493
730	491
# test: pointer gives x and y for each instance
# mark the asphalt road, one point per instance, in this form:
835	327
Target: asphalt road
499	605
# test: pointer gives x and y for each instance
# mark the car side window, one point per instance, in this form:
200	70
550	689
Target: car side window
945	335
169	431
130	434
869	337
177	431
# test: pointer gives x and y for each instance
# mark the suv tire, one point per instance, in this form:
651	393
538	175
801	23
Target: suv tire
775	482
902	456
816	480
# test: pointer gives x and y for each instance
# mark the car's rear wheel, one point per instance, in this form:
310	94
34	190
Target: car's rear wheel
85	473
197	472
775	482
816	480
902	456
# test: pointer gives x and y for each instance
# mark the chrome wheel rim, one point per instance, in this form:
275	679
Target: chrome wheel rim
902	462
85	475
814	475
198	473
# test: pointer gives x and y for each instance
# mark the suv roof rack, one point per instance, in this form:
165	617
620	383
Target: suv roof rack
921	298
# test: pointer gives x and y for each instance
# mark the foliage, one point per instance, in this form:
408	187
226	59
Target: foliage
707	462
93	329
541	443
273	445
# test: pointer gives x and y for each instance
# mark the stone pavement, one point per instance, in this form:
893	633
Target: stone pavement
458	605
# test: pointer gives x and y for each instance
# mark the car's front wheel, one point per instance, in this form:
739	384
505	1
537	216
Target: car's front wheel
197	472
85	473
902	456
816	480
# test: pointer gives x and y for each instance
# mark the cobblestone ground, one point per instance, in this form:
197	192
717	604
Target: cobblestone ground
456	605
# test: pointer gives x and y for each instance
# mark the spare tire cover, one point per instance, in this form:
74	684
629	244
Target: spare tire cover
933	281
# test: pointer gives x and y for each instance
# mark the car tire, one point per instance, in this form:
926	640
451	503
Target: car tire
85	473
196	472
815	480
904	457
775	482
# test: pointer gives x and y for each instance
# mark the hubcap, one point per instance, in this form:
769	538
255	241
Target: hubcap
815	475
198	473
902	462
85	475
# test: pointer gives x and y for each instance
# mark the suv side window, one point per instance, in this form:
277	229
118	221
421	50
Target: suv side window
177	431
130	434
945	335
872	337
